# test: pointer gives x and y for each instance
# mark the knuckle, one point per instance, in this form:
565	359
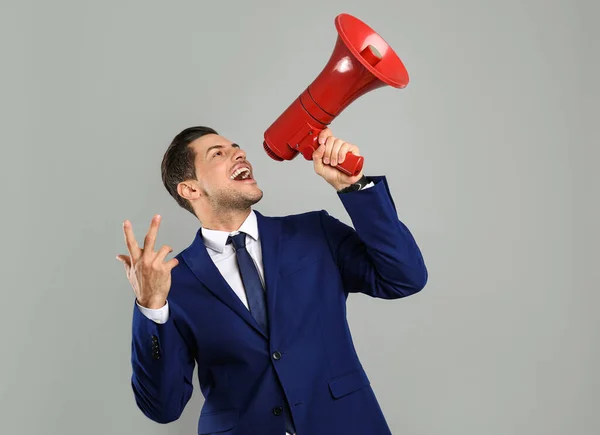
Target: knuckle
146	263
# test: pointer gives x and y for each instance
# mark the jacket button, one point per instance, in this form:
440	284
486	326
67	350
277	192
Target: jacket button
278	410
277	355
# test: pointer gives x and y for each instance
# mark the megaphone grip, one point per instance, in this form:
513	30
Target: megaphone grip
352	164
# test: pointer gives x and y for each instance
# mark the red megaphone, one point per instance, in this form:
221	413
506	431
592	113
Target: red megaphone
361	62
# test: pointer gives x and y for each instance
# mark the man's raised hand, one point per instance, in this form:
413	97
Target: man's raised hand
147	271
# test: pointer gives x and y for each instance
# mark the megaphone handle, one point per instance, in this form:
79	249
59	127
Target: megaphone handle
352	164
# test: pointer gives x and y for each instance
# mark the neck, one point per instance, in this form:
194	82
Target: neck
224	220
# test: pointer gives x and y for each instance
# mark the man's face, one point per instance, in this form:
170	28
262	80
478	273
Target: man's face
225	177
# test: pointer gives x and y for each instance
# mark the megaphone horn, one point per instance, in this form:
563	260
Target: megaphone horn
361	62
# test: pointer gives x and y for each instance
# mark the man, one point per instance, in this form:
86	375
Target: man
259	303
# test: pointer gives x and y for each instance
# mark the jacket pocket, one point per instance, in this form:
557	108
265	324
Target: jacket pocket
290	267
217	422
348	383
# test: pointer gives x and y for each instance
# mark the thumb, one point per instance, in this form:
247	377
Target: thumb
124	259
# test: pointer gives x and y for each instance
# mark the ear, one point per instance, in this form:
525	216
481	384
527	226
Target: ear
189	190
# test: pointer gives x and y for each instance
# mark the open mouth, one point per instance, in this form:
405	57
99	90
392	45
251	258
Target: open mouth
241	174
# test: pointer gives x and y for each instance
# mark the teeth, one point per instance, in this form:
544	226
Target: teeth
239	171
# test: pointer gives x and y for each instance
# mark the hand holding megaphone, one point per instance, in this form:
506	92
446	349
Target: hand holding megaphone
307	145
361	62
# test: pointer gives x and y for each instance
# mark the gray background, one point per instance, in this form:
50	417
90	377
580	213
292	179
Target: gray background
490	153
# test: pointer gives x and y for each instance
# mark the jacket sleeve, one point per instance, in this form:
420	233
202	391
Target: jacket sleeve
379	257
162	365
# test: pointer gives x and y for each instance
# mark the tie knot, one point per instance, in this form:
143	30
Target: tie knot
239	240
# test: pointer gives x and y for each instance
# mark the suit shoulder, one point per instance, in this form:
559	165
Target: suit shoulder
300	222
302	218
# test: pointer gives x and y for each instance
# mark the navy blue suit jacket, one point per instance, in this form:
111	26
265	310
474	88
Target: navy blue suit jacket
311	261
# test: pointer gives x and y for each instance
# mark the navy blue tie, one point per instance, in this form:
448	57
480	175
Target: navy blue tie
251	280
256	298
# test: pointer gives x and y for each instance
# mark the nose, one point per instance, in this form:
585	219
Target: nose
239	154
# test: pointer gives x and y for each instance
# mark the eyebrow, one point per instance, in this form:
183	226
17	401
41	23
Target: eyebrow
234	145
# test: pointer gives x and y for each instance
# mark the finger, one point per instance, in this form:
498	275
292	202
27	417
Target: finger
172	263
344	149
335	151
125	259
318	153
317	158
162	253
132	245
328	147
151	235
324	135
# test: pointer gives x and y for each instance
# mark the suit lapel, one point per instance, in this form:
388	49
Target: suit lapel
199	261
269	230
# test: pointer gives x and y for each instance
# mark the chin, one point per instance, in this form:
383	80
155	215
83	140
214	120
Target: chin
250	188
247	199
256	197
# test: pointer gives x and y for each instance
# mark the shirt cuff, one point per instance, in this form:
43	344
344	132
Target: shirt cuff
366	186
160	315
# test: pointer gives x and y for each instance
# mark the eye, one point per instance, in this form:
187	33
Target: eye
218	153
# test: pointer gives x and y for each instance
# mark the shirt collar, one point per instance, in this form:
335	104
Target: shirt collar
216	239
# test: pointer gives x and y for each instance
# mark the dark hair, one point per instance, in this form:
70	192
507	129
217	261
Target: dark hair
178	162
